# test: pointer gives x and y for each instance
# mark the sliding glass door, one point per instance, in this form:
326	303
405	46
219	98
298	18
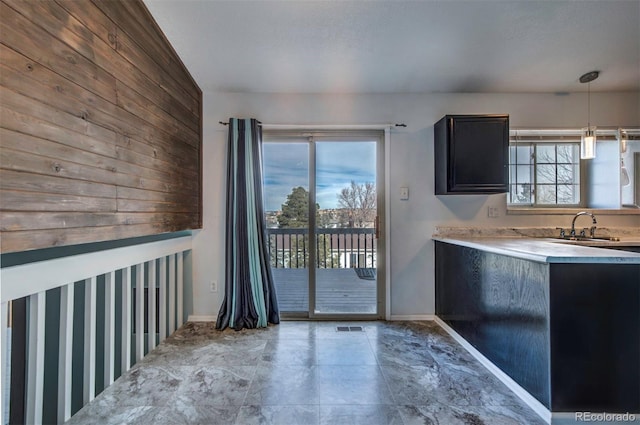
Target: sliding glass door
322	203
286	198
345	230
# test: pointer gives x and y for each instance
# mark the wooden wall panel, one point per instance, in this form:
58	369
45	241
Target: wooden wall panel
32	41
137	27
100	126
23	241
27	162
29	182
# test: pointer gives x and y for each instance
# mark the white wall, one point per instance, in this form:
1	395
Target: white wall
604	189
629	191
412	221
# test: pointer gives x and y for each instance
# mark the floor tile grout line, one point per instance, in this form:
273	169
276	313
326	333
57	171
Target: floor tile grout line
515	409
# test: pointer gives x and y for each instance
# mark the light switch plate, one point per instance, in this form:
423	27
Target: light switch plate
404	193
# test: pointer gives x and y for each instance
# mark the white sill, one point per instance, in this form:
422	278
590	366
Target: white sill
572	210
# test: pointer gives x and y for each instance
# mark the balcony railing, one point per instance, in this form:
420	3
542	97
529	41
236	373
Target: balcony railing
351	247
131	298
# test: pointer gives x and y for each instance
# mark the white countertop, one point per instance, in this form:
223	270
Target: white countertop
547	250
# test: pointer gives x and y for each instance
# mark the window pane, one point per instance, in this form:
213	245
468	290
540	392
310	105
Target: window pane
520	194
546	173
568	194
512	154
568	173
546	194
524	154
524	173
567	154
576	153
546	154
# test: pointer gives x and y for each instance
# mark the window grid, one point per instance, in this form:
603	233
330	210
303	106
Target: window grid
521	174
553	174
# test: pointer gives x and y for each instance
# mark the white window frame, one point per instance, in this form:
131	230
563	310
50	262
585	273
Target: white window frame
631	134
535	143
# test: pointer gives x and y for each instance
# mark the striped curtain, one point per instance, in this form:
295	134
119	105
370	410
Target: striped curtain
250	298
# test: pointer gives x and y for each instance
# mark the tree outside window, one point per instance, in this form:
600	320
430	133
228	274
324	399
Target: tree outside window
544	174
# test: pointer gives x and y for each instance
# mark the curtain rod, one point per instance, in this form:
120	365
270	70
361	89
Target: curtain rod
325	126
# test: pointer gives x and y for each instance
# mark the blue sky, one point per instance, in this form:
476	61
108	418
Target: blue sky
286	165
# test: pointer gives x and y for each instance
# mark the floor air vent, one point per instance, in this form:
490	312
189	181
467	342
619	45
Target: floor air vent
349	328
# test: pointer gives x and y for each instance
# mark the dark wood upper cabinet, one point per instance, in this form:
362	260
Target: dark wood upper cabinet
471	154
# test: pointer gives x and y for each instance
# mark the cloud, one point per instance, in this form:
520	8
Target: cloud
286	166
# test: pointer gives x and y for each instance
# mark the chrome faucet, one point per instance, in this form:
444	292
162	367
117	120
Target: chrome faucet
592	230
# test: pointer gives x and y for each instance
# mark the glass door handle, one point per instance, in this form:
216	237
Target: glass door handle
377	227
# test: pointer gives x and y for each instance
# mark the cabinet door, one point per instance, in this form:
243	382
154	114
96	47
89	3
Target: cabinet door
478	154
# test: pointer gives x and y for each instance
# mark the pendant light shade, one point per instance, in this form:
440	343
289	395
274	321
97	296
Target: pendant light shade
588	138
623	137
588	143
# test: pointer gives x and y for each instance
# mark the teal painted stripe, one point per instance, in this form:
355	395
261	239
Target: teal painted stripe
24	257
257	292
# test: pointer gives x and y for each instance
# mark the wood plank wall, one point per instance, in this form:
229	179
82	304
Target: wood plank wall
100	128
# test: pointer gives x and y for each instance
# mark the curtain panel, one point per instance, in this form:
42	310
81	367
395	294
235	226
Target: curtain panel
250	298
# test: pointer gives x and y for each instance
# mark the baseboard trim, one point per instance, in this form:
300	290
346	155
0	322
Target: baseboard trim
523	394
412	317
196	318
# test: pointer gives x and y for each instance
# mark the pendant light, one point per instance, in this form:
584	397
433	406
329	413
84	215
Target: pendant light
588	136
623	137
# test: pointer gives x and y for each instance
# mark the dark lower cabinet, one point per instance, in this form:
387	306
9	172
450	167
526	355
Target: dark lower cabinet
595	337
567	333
500	305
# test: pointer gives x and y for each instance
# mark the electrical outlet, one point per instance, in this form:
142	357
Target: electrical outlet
214	286
493	212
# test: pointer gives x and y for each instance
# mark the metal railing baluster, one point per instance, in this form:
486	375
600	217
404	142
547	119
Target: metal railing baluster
339	248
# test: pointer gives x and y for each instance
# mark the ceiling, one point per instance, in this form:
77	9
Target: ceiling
404	46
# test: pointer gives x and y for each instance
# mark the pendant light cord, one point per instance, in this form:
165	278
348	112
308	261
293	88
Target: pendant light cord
589	105
588	78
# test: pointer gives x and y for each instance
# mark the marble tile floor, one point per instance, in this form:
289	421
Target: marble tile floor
308	373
